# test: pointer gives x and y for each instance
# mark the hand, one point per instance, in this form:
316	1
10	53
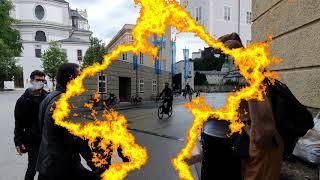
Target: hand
21	149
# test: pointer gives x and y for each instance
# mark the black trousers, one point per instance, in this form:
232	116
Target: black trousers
33	151
218	161
79	174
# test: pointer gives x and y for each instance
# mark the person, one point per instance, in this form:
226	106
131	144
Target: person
59	154
26	138
218	157
168	96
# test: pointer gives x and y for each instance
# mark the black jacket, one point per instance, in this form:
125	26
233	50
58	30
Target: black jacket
26	117
59	150
167	92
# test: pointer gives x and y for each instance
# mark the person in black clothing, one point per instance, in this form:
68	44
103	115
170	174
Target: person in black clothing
59	154
168	96
26	137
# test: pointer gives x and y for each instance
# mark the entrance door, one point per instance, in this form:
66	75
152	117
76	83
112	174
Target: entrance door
124	89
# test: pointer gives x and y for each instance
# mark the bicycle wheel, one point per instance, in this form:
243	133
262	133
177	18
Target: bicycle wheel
170	112
160	112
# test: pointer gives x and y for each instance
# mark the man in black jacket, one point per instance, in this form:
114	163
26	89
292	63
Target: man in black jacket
59	154
26	135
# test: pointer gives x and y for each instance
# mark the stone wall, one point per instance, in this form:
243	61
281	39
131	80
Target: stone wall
295	27
215	88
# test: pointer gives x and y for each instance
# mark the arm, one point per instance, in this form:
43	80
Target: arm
18	129
262	123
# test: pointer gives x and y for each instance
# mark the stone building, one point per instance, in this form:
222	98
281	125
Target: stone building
40	22
124	81
295	27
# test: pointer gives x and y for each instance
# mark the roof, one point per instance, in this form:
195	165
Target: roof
62	1
75	13
212	72
73	39
120	33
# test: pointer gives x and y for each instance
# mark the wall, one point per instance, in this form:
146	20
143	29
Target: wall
295	26
215	88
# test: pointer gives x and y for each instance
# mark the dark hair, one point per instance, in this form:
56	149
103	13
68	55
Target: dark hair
37	73
233	36
66	73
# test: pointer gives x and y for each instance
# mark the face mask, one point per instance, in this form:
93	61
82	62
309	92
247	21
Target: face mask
37	85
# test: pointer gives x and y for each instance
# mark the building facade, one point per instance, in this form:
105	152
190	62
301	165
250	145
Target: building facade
52	20
123	80
222	17
295	27
180	69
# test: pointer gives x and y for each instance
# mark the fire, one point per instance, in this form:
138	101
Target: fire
155	17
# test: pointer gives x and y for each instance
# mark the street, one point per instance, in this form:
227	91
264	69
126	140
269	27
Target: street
162	138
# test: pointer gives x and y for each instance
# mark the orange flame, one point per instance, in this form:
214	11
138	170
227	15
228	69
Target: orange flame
155	17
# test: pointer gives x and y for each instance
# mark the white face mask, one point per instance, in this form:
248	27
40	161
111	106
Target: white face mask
37	85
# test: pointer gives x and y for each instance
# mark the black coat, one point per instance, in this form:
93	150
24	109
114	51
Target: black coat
59	150
26	119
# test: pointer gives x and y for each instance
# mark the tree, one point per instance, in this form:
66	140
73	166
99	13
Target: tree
208	61
95	52
10	44
200	79
52	59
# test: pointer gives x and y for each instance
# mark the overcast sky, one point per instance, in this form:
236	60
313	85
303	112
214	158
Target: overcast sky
106	18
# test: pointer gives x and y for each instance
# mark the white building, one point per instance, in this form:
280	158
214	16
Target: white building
220	17
52	20
214	77
180	69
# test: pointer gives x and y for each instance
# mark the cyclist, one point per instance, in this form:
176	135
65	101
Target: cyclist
168	97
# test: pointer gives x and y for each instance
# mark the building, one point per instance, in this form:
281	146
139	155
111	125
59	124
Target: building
214	77
295	27
124	81
180	69
196	55
222	17
52	20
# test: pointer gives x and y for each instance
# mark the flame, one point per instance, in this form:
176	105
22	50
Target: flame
155	17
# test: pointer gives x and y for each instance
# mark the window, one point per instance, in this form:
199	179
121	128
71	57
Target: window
154	86
198	14
141	58
124	56
79	55
248	41
74	22
141	85
102	82
40	36
39	11
38	52
248	17
227	13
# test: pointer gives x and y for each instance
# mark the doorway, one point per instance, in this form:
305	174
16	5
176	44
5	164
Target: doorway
124	89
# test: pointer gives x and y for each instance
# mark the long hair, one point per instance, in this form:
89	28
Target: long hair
66	73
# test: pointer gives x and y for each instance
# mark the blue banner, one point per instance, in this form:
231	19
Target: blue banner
173	58
186	63
158	42
135	62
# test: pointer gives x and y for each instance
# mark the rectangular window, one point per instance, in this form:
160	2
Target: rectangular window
141	86
248	41
198	14
102	83
38	53
141	58
124	56
79	54
227	13
248	17
154	86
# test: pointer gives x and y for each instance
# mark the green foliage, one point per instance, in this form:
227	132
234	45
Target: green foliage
95	52
10	45
200	79
52	59
208	64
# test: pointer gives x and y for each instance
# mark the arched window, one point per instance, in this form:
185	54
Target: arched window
40	36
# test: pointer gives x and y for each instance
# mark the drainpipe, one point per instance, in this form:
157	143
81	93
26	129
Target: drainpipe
239	16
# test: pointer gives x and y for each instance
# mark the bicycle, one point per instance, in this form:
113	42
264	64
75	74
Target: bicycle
162	109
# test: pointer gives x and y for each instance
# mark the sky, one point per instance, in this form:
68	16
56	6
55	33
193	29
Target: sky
106	18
